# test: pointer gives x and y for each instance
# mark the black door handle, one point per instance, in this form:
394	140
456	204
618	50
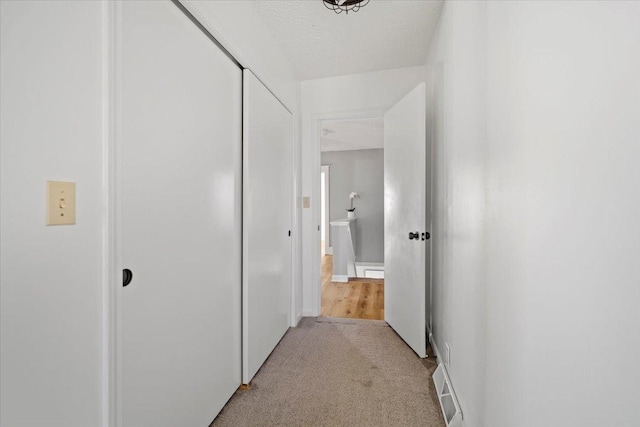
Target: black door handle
127	276
415	235
426	235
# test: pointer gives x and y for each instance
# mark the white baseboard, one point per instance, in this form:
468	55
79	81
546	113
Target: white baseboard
329	251
339	278
307	313
434	347
298	319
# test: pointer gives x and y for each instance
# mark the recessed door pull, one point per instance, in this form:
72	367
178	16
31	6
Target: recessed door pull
127	276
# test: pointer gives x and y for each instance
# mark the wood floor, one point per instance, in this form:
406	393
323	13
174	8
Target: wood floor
355	299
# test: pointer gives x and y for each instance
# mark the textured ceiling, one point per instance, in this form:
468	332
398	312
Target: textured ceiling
319	43
352	134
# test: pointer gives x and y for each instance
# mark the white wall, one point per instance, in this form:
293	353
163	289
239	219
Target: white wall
356	95
51	278
535	123
239	28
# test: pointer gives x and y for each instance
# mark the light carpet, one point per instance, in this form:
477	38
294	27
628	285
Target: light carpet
330	372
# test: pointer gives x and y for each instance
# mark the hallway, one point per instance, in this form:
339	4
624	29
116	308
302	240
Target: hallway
355	299
338	373
172	170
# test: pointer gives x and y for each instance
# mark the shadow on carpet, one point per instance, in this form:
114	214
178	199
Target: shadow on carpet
333	373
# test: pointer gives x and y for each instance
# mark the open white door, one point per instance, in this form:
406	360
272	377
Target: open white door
267	207
406	211
181	158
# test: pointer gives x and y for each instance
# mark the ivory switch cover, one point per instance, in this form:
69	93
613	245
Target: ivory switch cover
61	203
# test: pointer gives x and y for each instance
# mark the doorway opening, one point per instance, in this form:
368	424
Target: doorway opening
352	218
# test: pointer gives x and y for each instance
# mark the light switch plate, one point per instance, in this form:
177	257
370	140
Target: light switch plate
306	202
61	203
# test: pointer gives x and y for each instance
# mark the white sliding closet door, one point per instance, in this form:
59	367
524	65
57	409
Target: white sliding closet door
181	107
267	180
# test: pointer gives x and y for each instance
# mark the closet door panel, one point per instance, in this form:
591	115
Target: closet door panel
180	105
268	174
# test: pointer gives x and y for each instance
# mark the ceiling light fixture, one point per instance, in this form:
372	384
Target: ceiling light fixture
339	6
